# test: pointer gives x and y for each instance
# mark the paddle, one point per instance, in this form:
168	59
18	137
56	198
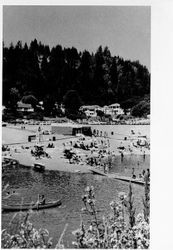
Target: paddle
37	203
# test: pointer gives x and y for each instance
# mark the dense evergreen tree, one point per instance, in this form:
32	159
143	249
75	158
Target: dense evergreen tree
48	74
72	102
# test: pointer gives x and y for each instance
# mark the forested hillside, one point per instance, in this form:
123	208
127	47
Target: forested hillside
48	75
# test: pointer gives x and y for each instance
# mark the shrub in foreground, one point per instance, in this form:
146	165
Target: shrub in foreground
121	230
26	237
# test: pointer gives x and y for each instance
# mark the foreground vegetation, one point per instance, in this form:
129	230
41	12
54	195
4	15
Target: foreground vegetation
123	229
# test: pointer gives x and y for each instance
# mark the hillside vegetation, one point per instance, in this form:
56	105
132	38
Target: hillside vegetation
48	74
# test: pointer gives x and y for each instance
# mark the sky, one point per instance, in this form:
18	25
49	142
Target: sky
124	29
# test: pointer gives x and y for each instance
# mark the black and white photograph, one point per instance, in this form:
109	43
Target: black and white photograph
76	99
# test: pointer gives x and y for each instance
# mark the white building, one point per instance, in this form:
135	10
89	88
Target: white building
90	110
3	108
24	107
116	109
107	110
113	109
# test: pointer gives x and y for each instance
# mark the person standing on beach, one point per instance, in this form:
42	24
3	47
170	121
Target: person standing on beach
104	167
133	173
122	156
107	169
148	173
109	160
108	143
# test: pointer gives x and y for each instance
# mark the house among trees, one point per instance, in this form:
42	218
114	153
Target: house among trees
90	110
114	109
24	107
3	108
128	111
81	79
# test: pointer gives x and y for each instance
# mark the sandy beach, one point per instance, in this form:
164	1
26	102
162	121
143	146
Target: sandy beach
20	149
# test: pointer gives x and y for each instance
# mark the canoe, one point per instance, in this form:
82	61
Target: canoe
27	206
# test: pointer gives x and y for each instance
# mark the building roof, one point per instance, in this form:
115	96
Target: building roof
114	104
90	106
68	125
24	105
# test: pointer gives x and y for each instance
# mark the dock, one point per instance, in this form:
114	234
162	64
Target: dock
117	177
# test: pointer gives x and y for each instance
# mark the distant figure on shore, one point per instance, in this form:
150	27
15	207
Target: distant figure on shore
122	156
50	145
109	160
140	176
147	175
104	167
132	132
133	173
144	156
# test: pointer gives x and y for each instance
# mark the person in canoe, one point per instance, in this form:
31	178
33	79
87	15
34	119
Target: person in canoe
41	200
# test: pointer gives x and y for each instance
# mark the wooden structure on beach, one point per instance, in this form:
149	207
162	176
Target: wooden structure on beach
70	129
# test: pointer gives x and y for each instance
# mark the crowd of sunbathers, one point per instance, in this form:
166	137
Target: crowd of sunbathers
39	152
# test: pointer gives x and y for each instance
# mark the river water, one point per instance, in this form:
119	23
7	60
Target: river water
69	187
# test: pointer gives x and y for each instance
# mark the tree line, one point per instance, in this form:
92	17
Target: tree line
49	74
